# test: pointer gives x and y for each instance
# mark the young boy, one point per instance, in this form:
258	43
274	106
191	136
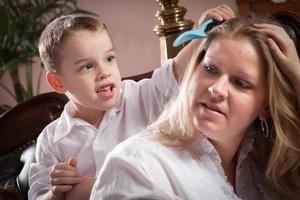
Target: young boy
103	111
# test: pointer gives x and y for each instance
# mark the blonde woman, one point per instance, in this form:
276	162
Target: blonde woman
232	132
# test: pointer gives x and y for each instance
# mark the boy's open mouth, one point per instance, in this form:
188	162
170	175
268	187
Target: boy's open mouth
105	90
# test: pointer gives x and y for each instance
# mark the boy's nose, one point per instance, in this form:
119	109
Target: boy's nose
102	73
102	76
219	89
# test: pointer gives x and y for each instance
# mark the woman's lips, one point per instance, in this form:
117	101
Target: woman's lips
214	108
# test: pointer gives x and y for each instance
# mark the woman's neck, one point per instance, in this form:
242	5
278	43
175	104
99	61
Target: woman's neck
227	153
230	171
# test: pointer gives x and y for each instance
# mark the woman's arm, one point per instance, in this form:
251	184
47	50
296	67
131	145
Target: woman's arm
82	190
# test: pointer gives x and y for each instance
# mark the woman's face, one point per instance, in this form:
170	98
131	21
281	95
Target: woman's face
228	89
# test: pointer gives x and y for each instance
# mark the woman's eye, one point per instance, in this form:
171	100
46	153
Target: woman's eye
109	59
242	84
210	69
86	66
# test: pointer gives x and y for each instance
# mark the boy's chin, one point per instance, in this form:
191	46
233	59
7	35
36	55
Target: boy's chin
110	104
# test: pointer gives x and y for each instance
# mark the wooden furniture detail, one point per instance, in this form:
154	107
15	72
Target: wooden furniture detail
21	125
172	23
266	8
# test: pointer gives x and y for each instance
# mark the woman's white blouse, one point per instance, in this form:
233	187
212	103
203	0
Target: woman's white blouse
143	168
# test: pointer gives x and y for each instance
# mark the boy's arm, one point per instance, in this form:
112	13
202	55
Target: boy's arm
49	179
63	177
81	190
183	58
219	13
39	172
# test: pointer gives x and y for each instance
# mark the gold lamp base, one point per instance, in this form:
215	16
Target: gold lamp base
171	17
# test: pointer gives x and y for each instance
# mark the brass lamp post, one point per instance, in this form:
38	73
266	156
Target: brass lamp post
172	23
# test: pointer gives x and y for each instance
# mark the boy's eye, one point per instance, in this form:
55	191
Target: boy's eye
210	69
109	59
86	67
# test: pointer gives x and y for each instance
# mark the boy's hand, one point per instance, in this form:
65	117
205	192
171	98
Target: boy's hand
219	13
62	178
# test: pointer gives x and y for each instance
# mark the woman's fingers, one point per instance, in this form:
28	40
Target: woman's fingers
278	34
282	48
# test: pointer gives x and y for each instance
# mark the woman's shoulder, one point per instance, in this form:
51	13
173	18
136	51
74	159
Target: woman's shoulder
140	143
148	147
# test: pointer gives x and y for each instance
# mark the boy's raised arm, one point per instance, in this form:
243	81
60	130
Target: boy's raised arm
219	13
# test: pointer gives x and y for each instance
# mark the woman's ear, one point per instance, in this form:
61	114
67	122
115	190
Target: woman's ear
265	112
54	82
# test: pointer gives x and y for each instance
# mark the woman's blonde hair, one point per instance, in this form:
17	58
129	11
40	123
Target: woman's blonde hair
283	160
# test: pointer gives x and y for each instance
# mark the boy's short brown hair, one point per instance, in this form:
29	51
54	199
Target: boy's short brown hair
53	36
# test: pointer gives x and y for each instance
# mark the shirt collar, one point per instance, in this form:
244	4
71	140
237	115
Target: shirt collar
202	144
246	145
66	122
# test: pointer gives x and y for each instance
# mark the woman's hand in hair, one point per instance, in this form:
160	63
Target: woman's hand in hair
283	50
284	53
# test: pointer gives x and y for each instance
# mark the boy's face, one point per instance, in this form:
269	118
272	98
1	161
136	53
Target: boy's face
89	73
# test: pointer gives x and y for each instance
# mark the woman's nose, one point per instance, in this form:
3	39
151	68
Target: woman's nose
219	89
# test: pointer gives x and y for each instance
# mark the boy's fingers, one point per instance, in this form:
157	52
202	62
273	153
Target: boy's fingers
64	173
61	189
223	15
226	12
59	166
215	15
72	161
65	181
227	8
63	166
219	13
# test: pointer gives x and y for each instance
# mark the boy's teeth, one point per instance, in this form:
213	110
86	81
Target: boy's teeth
105	88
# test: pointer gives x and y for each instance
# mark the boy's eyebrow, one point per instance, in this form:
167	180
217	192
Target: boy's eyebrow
81	60
110	50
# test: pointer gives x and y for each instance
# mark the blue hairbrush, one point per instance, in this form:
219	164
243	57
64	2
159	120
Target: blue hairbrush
199	33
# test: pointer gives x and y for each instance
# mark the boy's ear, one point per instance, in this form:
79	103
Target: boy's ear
54	82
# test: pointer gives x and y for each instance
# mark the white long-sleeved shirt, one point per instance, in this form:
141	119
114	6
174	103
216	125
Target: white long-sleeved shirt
144	168
138	104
